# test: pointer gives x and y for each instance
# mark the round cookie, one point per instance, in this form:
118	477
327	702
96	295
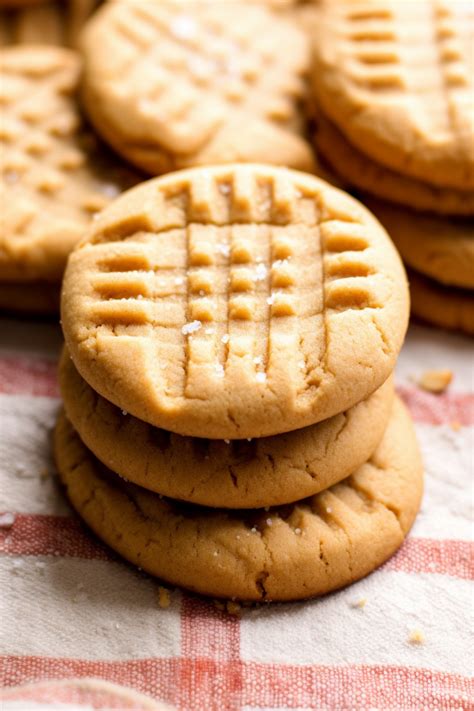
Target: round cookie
54	175
77	694
35	297
171	87
397	79
238	474
440	305
440	248
236	301
363	173
301	550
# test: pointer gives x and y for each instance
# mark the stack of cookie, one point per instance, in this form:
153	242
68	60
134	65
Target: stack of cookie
230	423
394	84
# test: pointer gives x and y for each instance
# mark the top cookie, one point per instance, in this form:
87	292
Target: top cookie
398	80
172	85
235	301
54	175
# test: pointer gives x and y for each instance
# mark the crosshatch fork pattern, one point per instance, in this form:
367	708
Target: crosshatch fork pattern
400	73
240	292
186	54
378	45
51	185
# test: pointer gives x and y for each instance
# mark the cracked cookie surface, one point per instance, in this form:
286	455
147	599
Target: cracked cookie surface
172	85
296	551
54	175
233	474
397	78
233	302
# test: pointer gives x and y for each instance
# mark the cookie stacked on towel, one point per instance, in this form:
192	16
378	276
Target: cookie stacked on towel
229	421
394	84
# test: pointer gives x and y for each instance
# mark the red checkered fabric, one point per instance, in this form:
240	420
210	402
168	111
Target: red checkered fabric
70	609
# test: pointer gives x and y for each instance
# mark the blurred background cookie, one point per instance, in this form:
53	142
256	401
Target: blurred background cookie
171	85
392	104
55	176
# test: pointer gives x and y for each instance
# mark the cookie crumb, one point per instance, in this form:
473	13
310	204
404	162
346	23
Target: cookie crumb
435	381
233	608
456	426
219	605
360	603
298	531
7	520
416	637
164	599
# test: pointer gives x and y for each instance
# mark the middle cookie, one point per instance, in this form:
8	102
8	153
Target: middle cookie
233	474
233	302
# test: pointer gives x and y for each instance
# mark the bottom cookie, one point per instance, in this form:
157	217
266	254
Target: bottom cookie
38	298
289	552
447	307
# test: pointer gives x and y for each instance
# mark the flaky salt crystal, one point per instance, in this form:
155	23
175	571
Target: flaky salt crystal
191	327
